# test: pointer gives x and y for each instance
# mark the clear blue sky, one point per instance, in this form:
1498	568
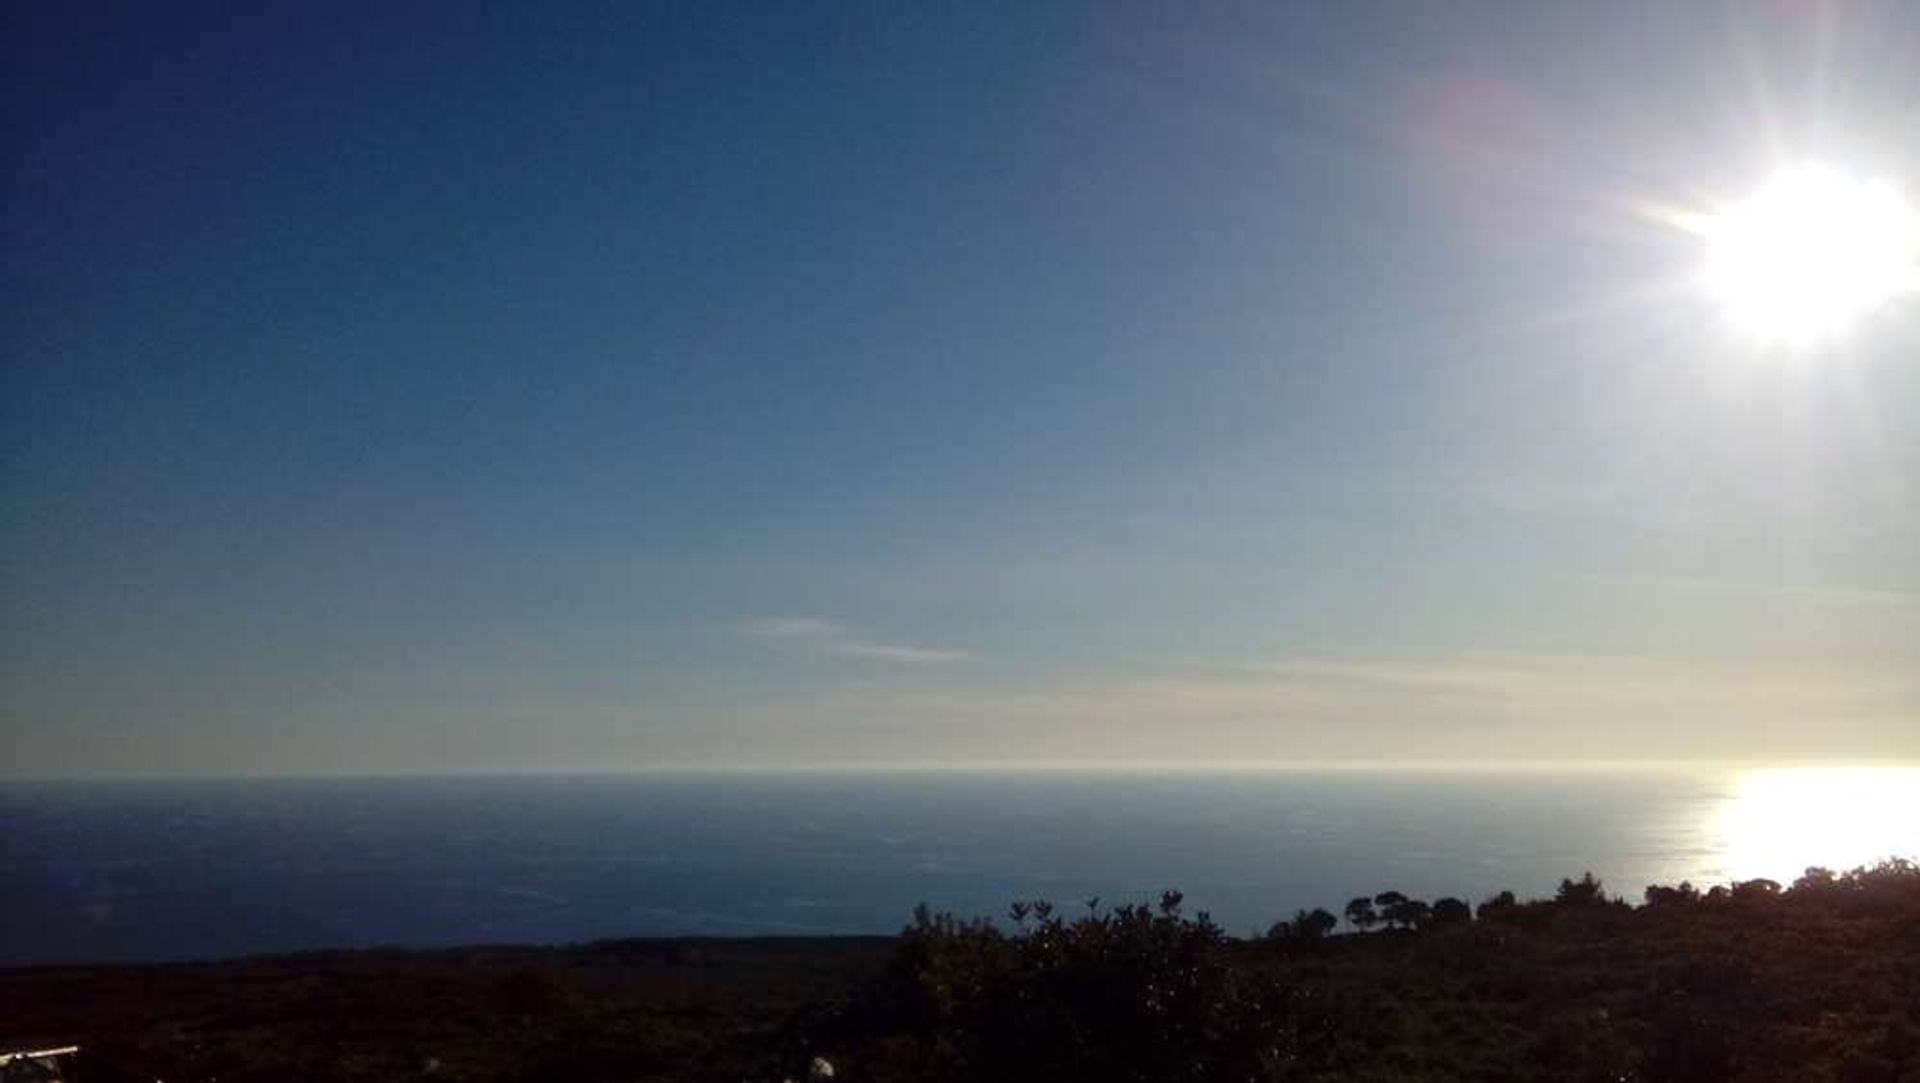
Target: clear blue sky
410	387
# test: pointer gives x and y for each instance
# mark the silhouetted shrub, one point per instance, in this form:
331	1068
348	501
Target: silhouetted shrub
1496	905
1684	895
1815	880
1312	924
1135	993
1318	921
1889	887
1756	890
1361	914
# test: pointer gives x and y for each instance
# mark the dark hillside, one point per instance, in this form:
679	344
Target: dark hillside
1817	981
628	1010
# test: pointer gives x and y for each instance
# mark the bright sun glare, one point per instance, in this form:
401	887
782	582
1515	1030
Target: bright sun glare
1810	253
1781	821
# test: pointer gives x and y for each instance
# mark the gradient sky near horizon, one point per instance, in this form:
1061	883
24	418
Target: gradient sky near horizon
447	387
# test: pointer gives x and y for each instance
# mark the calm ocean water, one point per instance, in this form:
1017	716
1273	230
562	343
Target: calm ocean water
157	871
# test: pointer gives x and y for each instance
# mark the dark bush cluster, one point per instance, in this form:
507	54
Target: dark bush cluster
1583	985
1306	925
1129	993
1888	887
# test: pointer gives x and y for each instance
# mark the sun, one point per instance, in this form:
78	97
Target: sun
1783	820
1807	256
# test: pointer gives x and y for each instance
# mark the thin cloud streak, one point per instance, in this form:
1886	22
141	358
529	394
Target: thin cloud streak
809	628
832	637
893	653
1510	706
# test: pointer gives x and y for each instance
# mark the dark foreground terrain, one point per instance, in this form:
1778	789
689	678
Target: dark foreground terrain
1816	981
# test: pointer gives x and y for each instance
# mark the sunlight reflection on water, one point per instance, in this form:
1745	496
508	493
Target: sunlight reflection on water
1780	821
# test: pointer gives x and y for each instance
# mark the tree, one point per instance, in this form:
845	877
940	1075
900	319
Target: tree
1391	904
1409	913
1361	914
1585	891
1313	924
1501	902
1450	911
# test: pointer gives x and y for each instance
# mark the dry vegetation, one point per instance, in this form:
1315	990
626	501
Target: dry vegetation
1812	982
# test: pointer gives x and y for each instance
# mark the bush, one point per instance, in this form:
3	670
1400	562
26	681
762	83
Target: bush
1135	993
1497	905
1684	895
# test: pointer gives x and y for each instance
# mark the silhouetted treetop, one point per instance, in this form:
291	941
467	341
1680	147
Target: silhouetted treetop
1451	911
1585	891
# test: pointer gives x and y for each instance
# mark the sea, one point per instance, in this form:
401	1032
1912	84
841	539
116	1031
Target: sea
99	872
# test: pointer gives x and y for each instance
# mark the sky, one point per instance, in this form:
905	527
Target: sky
432	387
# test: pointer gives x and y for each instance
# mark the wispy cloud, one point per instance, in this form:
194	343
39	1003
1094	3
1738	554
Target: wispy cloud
1814	594
1596	686
831	636
1448	706
806	628
894	653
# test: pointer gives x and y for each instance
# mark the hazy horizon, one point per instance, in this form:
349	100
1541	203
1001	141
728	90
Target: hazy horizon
480	388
